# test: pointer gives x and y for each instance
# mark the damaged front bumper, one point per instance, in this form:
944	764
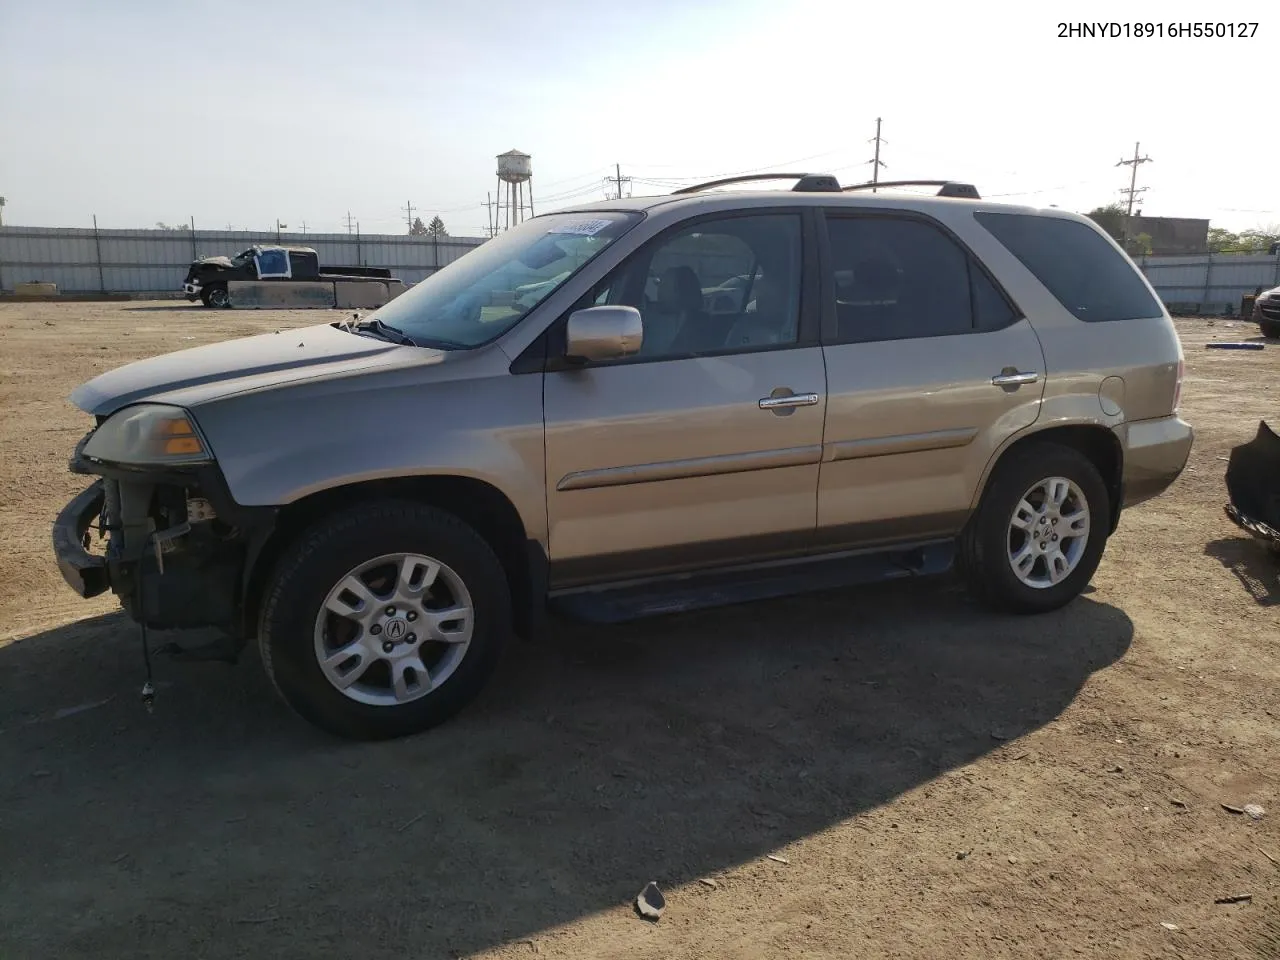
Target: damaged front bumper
192	290
174	547
1253	486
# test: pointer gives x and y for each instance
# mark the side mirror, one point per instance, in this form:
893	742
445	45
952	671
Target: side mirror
603	333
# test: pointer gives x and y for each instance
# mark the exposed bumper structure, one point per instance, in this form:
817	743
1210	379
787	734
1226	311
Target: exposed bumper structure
1253	486
85	573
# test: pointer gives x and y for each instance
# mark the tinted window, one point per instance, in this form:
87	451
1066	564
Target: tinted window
896	279
1076	264
991	311
715	287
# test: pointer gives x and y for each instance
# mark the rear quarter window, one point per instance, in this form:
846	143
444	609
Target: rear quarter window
1087	275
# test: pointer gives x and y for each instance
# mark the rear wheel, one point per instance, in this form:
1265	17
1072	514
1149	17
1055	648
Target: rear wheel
384	620
216	296
1039	533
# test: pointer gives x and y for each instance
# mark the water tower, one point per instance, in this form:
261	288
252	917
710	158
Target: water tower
515	173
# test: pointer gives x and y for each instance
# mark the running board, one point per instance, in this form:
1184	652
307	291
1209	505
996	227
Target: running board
698	591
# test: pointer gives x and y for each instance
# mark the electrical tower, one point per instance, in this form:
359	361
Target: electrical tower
408	214
350	221
1133	190
876	162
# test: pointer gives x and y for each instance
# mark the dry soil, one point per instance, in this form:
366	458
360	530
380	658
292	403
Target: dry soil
887	772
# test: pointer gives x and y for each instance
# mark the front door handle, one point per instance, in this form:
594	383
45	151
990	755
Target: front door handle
1014	379
790	400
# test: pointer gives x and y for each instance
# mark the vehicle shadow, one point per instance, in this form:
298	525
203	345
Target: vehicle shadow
1249	560
595	761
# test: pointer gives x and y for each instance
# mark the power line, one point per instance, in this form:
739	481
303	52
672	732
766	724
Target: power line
1133	189
876	162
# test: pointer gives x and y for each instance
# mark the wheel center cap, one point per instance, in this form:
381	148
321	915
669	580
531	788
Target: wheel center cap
396	629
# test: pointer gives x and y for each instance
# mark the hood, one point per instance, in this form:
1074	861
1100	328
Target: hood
191	377
212	262
1273	293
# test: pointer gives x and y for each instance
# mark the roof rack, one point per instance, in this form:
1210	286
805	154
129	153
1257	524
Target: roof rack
949	188
805	182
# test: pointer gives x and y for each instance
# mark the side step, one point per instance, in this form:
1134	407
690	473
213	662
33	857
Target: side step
649	598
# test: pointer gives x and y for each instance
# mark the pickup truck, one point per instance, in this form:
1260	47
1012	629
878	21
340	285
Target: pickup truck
207	278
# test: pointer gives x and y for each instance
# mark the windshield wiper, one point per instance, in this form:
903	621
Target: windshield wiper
387	332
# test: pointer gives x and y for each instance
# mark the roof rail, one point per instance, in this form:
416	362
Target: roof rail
805	182
949	188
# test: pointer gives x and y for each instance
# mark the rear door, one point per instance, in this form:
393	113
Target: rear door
703	449
929	369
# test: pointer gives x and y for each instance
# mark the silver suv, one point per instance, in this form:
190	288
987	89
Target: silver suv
634	408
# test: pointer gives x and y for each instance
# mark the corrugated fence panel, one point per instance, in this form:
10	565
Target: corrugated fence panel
155	261
1215	283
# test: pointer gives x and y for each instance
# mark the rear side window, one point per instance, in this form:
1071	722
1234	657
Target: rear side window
1087	275
896	280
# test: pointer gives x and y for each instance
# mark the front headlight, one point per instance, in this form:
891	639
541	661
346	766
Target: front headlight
148	434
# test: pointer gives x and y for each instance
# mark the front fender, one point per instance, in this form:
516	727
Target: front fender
277	446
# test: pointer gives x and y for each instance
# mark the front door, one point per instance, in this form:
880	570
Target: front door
929	370
703	449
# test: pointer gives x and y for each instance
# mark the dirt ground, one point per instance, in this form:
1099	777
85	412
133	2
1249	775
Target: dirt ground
871	773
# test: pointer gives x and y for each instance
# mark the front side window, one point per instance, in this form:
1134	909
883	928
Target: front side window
897	279
488	291
1087	275
717	286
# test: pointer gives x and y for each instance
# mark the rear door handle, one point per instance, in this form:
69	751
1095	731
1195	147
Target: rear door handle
794	400
1014	379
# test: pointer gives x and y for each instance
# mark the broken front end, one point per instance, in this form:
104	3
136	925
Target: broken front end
171	542
1253	486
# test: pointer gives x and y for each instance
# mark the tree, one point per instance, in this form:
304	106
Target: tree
1246	241
1110	218
161	225
436	228
1141	244
417	229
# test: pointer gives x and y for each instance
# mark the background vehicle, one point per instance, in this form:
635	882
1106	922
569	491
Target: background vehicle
908	382
208	277
1266	313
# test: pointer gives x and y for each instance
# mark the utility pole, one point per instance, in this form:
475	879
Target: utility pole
279	226
408	211
876	162
1134	189
350	221
489	205
1	211
618	179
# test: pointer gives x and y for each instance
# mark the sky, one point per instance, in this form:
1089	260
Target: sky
239	114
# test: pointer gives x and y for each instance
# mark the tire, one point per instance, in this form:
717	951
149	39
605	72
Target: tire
1270	329
990	540
215	296
292	633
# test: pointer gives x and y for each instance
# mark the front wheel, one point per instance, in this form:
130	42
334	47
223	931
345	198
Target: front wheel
1270	329
384	620
216	296
1038	535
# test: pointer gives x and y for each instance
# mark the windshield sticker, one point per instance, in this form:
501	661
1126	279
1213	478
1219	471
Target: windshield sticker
581	228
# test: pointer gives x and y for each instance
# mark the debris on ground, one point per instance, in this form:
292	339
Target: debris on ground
650	902
1230	809
778	859
1227	345
1170	926
1254	811
963	854
1268	856
708	882
1235	898
1178	803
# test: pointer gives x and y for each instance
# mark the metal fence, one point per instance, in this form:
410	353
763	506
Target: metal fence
155	261
1211	282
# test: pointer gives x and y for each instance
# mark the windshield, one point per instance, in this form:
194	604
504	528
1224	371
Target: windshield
489	290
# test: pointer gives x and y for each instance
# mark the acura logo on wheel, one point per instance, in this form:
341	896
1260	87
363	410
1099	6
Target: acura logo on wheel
396	629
